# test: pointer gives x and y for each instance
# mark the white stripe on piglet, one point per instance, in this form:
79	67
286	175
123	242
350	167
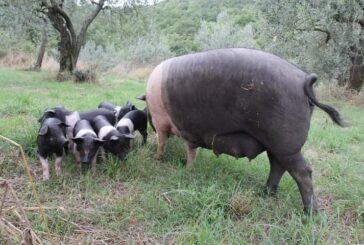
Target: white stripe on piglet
82	132
104	131
126	122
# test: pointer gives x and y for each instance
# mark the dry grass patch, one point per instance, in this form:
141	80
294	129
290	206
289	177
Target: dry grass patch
334	92
132	71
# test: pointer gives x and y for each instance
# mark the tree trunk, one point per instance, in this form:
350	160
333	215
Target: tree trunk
354	78
42	48
66	61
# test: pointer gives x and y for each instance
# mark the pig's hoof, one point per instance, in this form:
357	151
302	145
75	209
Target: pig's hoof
270	190
45	177
310	210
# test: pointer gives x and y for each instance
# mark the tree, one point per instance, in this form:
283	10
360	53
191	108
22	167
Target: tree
325	36
70	43
42	47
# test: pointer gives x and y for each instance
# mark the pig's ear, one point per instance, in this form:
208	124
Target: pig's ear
114	138
77	140
62	124
43	130
129	136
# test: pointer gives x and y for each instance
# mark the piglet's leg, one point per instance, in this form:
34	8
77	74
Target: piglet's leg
78	159
59	165
145	136
45	167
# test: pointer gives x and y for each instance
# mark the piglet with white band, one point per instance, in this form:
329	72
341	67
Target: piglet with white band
135	120
87	144
114	141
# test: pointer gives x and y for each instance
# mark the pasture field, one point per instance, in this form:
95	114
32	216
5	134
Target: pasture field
144	201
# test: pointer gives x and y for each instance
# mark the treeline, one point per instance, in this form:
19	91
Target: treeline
325	37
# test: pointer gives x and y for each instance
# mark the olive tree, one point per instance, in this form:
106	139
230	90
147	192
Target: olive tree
70	41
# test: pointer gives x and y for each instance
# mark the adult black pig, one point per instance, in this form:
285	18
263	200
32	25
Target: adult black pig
240	102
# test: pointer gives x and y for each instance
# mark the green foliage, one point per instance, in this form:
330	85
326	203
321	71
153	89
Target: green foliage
321	36
224	33
147	49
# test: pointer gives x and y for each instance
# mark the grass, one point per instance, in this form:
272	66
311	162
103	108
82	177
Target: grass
219	201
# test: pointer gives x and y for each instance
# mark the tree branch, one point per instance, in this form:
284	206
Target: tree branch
92	16
67	19
87	22
328	34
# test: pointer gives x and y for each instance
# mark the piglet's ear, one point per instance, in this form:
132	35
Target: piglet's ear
50	111
43	130
128	103
41	119
62	124
129	136
99	142
114	138
77	140
47	113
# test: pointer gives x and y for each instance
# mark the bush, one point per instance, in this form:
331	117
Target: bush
85	76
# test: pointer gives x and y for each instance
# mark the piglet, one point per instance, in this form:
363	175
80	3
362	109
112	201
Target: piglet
134	120
114	141
86	145
52	140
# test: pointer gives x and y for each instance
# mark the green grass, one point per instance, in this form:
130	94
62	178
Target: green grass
218	201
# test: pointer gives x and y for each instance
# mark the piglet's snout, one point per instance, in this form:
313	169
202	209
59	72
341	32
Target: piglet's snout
85	158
